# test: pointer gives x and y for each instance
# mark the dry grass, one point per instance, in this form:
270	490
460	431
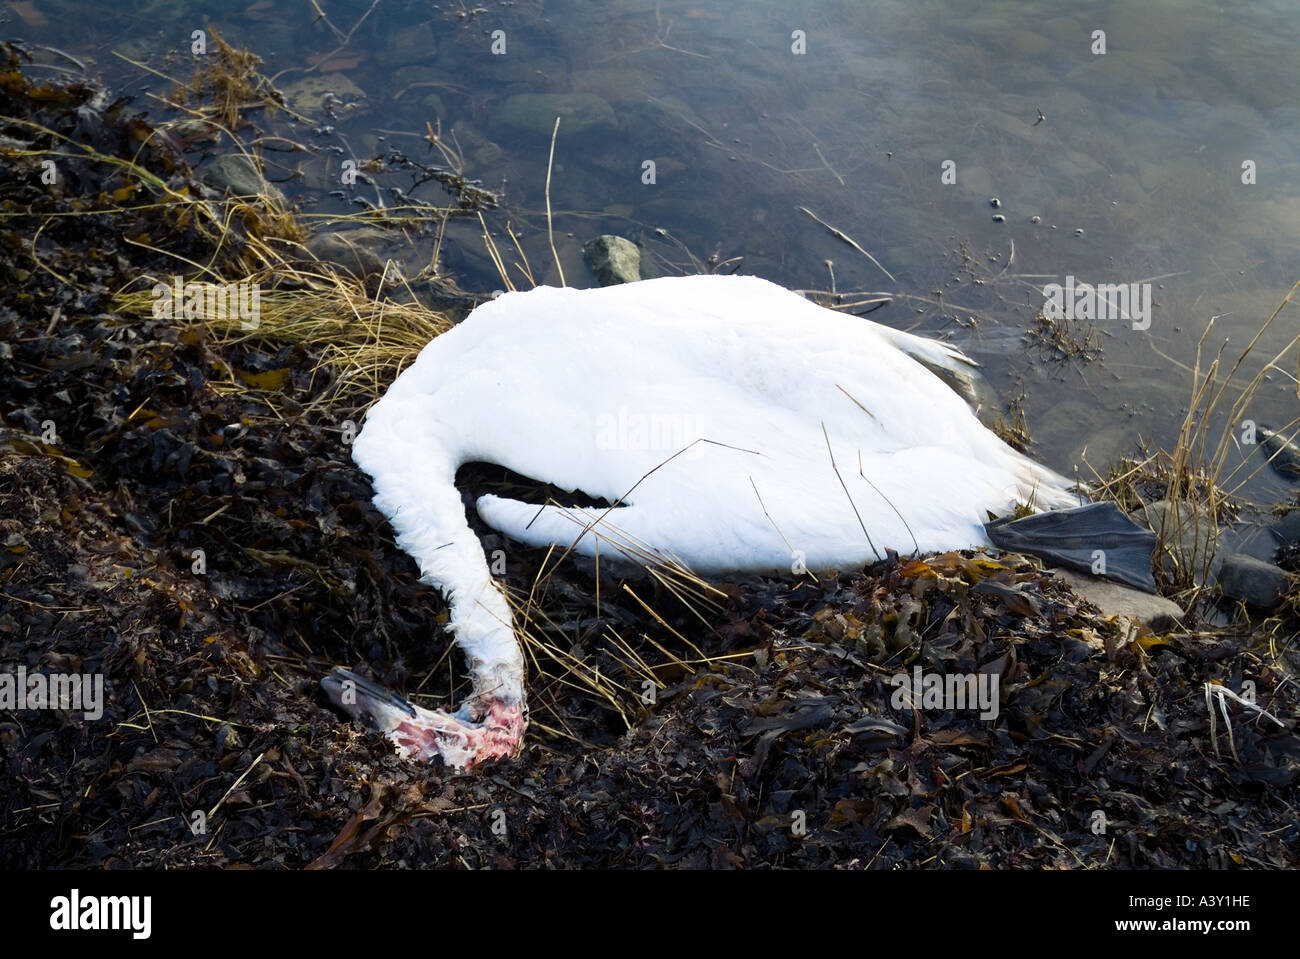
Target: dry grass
365	342
1198	487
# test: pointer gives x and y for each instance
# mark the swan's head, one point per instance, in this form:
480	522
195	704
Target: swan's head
489	726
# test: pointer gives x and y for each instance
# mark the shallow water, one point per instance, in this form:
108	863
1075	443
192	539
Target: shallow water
1135	172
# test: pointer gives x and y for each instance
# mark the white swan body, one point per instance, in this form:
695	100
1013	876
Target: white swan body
707	407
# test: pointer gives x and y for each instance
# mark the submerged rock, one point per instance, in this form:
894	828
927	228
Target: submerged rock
311	94
238	174
613	259
578	112
360	252
1259	584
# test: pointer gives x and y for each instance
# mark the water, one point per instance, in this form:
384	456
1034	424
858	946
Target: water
1135	174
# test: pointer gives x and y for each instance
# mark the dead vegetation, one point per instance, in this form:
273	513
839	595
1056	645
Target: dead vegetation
1011	426
227	85
1058	339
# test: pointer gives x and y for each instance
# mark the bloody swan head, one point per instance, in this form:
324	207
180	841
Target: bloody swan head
487	727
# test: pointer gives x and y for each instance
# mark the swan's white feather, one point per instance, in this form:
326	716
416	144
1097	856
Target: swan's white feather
747	382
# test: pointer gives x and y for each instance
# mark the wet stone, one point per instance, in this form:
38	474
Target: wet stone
1259	584
238	175
357	251
613	259
578	112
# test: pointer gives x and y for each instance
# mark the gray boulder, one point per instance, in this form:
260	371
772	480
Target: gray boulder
613	259
1260	584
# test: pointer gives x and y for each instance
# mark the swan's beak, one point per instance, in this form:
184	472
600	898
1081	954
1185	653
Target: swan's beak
429	734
